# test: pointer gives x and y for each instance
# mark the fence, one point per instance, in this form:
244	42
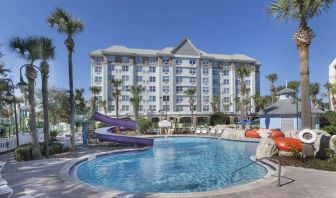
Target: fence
8	144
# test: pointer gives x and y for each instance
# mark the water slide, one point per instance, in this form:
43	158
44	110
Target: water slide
104	134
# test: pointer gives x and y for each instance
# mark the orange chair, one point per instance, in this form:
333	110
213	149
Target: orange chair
275	134
287	144
253	133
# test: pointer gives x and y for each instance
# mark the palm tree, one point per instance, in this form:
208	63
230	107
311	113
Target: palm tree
301	11
328	86
47	52
116	83
80	105
314	90
136	90
29	49
94	91
260	101
191	93
272	78
294	85
333	99
69	26
214	103
241	73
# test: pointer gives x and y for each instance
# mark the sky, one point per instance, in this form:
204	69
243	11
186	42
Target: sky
215	26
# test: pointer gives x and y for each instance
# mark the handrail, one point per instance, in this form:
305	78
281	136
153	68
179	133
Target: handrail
260	160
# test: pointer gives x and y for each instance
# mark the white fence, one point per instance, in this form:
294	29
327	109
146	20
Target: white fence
8	144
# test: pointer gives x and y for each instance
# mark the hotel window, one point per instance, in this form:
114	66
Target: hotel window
226	100
125	88
166	107
165	79
192	71
205	107
165	89
124	108
179	89
165	60
205	71
179	99
139	60
124	98
178	61
152	88
110	108
152	98
125	59
111	68
152	79
124	78
125	68
152	69
140	108
192	61
215	72
178	70
205	81
165	69
111	59
205	90
205	99
165	98
99	59
98	79
226	72
139	68
226	90
98	69
226	81
248	82
179	108
215	81
152	108
138	79
205	62
152	60
192	80
178	80
99	98
141	98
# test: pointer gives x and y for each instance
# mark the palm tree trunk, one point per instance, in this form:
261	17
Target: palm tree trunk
71	101
192	116
242	109
117	106
45	109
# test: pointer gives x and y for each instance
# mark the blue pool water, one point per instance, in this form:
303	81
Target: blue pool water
176	164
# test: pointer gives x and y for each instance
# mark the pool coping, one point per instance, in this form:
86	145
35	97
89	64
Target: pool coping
68	170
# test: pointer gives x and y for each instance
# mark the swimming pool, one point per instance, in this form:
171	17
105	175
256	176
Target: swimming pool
175	164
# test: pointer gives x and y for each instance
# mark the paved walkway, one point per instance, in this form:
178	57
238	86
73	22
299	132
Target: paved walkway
40	178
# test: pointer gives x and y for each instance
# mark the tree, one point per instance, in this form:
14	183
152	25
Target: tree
301	11
214	103
116	83
294	85
272	78
241	73
29	49
328	86
103	104
47	53
191	93
69	26
261	101
95	90
219	118
136	90
80	105
314	90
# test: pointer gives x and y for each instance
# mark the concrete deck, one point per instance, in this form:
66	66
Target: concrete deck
41	178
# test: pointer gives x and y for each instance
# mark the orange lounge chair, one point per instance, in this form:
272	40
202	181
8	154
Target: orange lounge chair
287	144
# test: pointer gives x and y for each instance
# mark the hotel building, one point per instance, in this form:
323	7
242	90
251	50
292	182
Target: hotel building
167	74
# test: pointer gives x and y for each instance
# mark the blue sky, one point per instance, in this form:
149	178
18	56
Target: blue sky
231	26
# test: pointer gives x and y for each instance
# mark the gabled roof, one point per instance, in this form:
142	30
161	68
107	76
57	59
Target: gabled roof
185	47
286	91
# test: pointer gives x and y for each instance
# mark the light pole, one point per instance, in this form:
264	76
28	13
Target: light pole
9	95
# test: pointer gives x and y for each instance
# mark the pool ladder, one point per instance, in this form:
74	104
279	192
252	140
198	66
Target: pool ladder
261	161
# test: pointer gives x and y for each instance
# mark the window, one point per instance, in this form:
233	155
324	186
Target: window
98	69
192	61
215	72
141	98
226	90
111	68
178	80
125	78
165	69
99	59
205	81
192	80
152	88
226	72
192	71
205	90
226	100
166	107
179	99
124	98
125	59
248	82
124	108
178	70
152	98
165	60
125	68
205	62
111	59
138	60
139	68
205	107
165	98
140	108
110	108
165	89
152	108
226	81
152	60
205	71
206	99
152	79
179	89
215	81
98	79
138	79
178	61
152	69
125	88
179	108
165	79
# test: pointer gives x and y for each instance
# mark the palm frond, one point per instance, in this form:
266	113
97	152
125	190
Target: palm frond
47	48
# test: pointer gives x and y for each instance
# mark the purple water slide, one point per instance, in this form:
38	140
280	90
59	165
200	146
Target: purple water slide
125	139
127	123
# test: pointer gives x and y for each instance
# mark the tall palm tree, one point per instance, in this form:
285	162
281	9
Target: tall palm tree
94	91
69	26
103	105
47	53
314	90
116	83
214	103
272	78
301	11
191	94
241	73
136	90
294	85
29	49
260	101
80	105
328	86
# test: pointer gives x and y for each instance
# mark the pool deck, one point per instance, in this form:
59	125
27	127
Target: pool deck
41	178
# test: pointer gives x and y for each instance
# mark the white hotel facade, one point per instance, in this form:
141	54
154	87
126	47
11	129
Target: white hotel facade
166	74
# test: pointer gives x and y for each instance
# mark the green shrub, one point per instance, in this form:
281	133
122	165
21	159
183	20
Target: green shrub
23	153
328	118
144	124
54	133
331	129
56	148
219	118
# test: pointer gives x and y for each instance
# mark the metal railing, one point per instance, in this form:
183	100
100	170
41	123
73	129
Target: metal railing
260	160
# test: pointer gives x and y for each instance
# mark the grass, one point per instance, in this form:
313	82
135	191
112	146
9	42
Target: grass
313	163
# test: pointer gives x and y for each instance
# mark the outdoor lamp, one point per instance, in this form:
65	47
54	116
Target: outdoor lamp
9	95
22	84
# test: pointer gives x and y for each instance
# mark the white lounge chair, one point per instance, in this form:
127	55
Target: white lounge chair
213	131
2	165
3	182
198	132
5	191
219	132
204	131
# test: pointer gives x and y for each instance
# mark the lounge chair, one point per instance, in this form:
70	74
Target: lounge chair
5	191
198	132
213	131
204	131
219	132
3	182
